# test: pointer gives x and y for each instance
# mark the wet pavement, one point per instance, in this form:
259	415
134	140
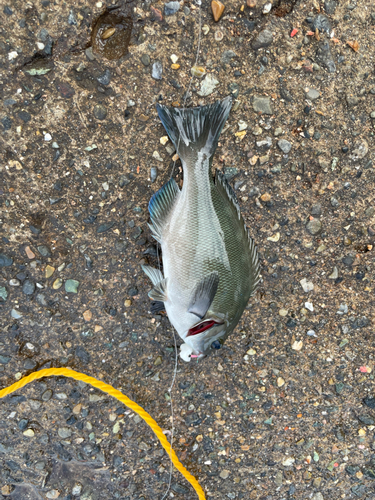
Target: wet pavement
286	410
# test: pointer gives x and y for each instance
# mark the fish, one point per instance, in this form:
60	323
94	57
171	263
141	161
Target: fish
210	263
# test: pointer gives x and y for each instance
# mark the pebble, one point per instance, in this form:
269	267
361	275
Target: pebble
309	306
267	8
100	112
15	314
360	149
71	286
28	287
280	382
314	227
5	261
198	71
153	174
284	145
29	433
266	197
24	116
57	284
242	125
52	494
321	23
334	275
264	39
311	333
217	9
307	286
44	251
64	432
171	8
224	474
262	105
312	94
76	490
257	130
145	59
316	210
3	292
227	56
87	315
157	70
288	461
208	85
283	312
297	345
174	58
30	254
324	57
104	78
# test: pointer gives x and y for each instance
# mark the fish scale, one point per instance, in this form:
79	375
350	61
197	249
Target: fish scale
210	263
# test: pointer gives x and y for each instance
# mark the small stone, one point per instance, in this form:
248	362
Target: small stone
262	105
283	312
265	197
307	285
267	8
360	149
100	112
311	333
49	270
104	78
25	116
29	253
44	251
242	125
76	490
89	54
87	315
71	286
127	303
309	306
157	70
288	461
264	39
3	291
64	432
312	94
57	284
198	71
321	23
29	433
28	287
153	174
280	382
52	494
208	85
171	8
15	314
175	66
251	352
284	145
224	474
146	61
314	227
217	9
324	57
174	58
297	345
334	275
317	496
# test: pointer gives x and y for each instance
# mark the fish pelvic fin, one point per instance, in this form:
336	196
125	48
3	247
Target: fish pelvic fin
159	292
160	207
204	294
195	129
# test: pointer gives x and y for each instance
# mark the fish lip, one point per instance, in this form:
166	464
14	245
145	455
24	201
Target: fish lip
215	320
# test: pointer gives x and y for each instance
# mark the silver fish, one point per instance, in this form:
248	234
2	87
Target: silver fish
210	262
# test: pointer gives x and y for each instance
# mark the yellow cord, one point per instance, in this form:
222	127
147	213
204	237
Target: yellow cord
67	372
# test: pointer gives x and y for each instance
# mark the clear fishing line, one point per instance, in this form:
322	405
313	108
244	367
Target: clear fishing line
198	2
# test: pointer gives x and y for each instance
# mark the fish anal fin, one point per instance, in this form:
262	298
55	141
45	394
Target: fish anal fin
204	294
159	292
161	205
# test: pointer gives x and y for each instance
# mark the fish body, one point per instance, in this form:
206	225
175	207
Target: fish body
210	263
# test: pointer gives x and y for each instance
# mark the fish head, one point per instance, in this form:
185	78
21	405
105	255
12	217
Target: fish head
204	337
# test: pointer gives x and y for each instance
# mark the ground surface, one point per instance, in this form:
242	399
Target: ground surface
278	413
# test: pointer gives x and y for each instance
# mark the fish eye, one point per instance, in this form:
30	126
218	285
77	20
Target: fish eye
215	344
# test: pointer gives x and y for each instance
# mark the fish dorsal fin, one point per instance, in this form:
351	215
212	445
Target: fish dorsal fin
160	206
154	274
254	260
159	292
204	294
221	182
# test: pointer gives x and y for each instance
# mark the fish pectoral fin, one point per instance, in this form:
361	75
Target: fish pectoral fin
157	306
155	275
204	294
159	292
161	205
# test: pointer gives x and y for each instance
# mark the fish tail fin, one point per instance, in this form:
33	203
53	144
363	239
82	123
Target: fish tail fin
195	129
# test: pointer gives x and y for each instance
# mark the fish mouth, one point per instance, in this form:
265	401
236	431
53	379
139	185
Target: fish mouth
202	327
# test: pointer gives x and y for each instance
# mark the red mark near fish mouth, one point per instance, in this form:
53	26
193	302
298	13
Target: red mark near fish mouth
202	327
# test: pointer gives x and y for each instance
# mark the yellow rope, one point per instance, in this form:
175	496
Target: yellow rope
67	372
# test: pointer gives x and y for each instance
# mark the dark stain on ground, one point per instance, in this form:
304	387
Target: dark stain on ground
111	34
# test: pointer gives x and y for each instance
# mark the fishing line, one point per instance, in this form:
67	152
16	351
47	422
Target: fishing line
198	2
